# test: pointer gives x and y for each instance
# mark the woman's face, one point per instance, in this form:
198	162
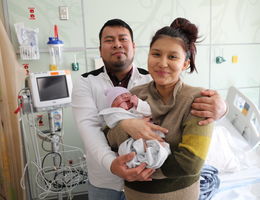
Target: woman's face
166	61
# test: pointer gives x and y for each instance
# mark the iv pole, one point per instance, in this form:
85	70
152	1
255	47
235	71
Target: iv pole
54	143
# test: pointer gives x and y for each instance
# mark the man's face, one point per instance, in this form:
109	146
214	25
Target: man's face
117	48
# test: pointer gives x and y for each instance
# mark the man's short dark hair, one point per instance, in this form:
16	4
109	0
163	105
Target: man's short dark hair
116	22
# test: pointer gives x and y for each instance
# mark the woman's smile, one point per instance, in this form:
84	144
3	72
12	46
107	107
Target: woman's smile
161	73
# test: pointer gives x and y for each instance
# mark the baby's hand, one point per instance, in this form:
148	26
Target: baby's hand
134	100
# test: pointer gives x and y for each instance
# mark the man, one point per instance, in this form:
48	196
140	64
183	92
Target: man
105	168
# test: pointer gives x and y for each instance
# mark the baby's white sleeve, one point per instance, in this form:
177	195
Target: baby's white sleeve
143	108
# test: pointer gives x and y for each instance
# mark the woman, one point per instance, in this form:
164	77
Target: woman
172	50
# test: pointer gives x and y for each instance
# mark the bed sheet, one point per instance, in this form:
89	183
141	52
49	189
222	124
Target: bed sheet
243	182
245	192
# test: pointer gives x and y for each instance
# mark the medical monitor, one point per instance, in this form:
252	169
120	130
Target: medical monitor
50	89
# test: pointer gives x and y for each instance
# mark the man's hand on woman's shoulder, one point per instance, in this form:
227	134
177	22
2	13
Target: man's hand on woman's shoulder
211	106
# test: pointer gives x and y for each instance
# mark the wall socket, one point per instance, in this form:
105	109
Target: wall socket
64	12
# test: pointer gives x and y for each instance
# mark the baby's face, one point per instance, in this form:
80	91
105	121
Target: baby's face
123	101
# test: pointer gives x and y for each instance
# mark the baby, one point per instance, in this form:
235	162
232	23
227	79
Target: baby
121	104
124	105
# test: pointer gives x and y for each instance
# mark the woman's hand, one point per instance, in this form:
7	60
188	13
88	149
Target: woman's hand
211	106
142	128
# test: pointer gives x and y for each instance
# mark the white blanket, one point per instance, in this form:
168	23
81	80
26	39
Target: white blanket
152	152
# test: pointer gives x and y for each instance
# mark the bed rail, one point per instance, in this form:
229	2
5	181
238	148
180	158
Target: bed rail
244	115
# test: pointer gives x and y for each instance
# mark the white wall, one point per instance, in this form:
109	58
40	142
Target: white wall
1	13
228	28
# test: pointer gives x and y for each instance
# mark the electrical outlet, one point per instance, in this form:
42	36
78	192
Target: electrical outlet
64	12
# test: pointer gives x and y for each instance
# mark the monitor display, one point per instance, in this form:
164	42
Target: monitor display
50	89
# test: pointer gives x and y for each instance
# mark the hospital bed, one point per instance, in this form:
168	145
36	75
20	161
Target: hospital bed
235	150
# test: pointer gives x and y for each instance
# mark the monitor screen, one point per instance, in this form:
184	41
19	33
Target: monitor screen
52	87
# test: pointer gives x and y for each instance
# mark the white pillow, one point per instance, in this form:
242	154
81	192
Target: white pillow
220	153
